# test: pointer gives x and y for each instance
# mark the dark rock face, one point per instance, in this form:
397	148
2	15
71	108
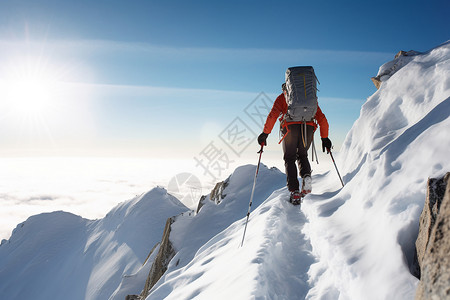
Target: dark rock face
433	242
133	297
201	203
216	194
165	254
435	195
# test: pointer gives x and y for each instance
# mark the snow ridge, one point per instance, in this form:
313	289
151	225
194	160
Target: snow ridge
272	264
194	237
286	254
62	256
363	237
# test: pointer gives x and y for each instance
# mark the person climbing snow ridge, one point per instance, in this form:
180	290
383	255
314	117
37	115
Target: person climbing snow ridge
300	117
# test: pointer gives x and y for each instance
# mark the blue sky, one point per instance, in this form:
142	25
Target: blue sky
141	78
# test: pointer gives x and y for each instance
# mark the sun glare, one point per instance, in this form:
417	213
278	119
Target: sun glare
29	89
30	101
45	102
30	96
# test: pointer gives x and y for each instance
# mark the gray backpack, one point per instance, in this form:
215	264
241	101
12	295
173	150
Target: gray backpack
301	86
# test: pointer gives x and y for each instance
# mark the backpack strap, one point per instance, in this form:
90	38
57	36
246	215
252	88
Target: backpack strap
283	127
303	131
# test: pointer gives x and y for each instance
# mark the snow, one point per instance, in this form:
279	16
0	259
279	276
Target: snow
62	256
355	242
133	284
191	235
388	69
398	142
271	262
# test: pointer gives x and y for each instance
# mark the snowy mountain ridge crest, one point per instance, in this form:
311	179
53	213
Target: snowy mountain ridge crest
93	254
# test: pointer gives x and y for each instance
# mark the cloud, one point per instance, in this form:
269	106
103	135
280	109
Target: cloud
206	54
41	198
211	53
88	187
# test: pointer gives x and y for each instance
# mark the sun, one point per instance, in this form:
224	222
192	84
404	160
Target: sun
45	106
29	92
31	96
30	103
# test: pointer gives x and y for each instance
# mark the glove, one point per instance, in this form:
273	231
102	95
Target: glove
262	139
326	143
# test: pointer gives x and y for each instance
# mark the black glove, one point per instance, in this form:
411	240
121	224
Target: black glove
326	143
262	139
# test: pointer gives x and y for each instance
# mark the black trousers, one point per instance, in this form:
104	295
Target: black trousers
295	148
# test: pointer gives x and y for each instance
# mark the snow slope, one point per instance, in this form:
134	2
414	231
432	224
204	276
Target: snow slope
272	264
355	242
363	237
62	256
190	234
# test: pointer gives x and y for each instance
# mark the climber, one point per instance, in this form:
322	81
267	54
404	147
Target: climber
297	138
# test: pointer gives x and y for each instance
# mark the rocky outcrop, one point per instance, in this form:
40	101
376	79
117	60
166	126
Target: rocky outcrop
376	81
433	242
202	201
216	194
133	297
165	254
388	69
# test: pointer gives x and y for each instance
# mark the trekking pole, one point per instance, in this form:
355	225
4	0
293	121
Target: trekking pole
253	190
336	168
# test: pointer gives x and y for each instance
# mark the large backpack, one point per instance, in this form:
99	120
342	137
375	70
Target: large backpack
301	86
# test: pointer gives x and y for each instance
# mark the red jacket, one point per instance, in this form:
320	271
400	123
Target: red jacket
280	108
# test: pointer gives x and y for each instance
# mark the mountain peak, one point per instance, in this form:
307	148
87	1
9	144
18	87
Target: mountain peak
51	248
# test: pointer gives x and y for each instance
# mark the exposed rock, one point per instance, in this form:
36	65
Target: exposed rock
435	195
433	242
405	53
138	297
201	203
389	68
216	194
133	297
376	81
165	254
151	252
